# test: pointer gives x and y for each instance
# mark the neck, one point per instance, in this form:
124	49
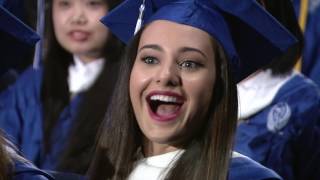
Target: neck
85	58
153	149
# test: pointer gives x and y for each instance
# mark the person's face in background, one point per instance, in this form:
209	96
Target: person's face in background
78	28
171	84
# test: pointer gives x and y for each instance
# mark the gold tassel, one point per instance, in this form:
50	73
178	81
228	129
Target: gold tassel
302	22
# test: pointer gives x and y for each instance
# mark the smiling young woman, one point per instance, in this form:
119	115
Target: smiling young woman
171	83
175	111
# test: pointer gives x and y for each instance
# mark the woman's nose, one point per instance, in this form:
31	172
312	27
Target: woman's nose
168	75
79	16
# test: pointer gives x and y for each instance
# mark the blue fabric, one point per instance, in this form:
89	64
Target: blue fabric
311	53
15	37
291	147
66	176
10	24
243	168
26	171
59	136
241	29
7	78
21	118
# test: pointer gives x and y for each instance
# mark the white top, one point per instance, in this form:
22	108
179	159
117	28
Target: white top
157	167
258	91
83	75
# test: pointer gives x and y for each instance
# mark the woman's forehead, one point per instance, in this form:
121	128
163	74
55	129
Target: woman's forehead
167	32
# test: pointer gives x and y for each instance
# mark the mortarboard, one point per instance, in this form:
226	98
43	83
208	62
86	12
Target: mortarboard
16	40
11	24
250	36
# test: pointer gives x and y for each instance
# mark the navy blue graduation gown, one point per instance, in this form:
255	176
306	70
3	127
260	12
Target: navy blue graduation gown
285	135
21	118
27	171
311	50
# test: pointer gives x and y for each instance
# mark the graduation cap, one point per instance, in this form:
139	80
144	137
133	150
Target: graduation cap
11	24
250	36
16	41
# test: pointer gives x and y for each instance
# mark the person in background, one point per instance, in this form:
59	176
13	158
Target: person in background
279	110
175	112
53	113
12	165
308	12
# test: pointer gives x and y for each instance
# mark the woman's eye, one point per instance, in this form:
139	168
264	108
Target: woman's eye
150	60
64	4
189	65
95	3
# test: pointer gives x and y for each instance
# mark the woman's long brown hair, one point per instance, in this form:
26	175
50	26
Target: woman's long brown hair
5	160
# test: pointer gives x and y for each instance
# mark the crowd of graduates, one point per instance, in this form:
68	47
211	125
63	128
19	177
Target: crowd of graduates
159	89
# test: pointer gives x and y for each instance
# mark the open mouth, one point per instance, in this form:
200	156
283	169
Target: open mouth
79	35
164	107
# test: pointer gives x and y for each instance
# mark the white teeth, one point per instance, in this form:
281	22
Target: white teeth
164	98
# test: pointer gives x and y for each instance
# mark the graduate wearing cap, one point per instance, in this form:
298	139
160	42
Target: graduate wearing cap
52	112
13	165
279	110
175	112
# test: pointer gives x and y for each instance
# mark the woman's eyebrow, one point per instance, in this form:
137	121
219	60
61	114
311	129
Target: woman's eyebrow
186	49
151	46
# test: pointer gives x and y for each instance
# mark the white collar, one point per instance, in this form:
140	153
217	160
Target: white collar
155	167
235	154
258	91
163	160
83	75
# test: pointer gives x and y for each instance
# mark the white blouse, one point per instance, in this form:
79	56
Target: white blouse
83	75
155	167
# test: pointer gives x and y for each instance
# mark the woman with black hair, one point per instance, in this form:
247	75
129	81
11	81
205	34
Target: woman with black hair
175	111
280	110
53	113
